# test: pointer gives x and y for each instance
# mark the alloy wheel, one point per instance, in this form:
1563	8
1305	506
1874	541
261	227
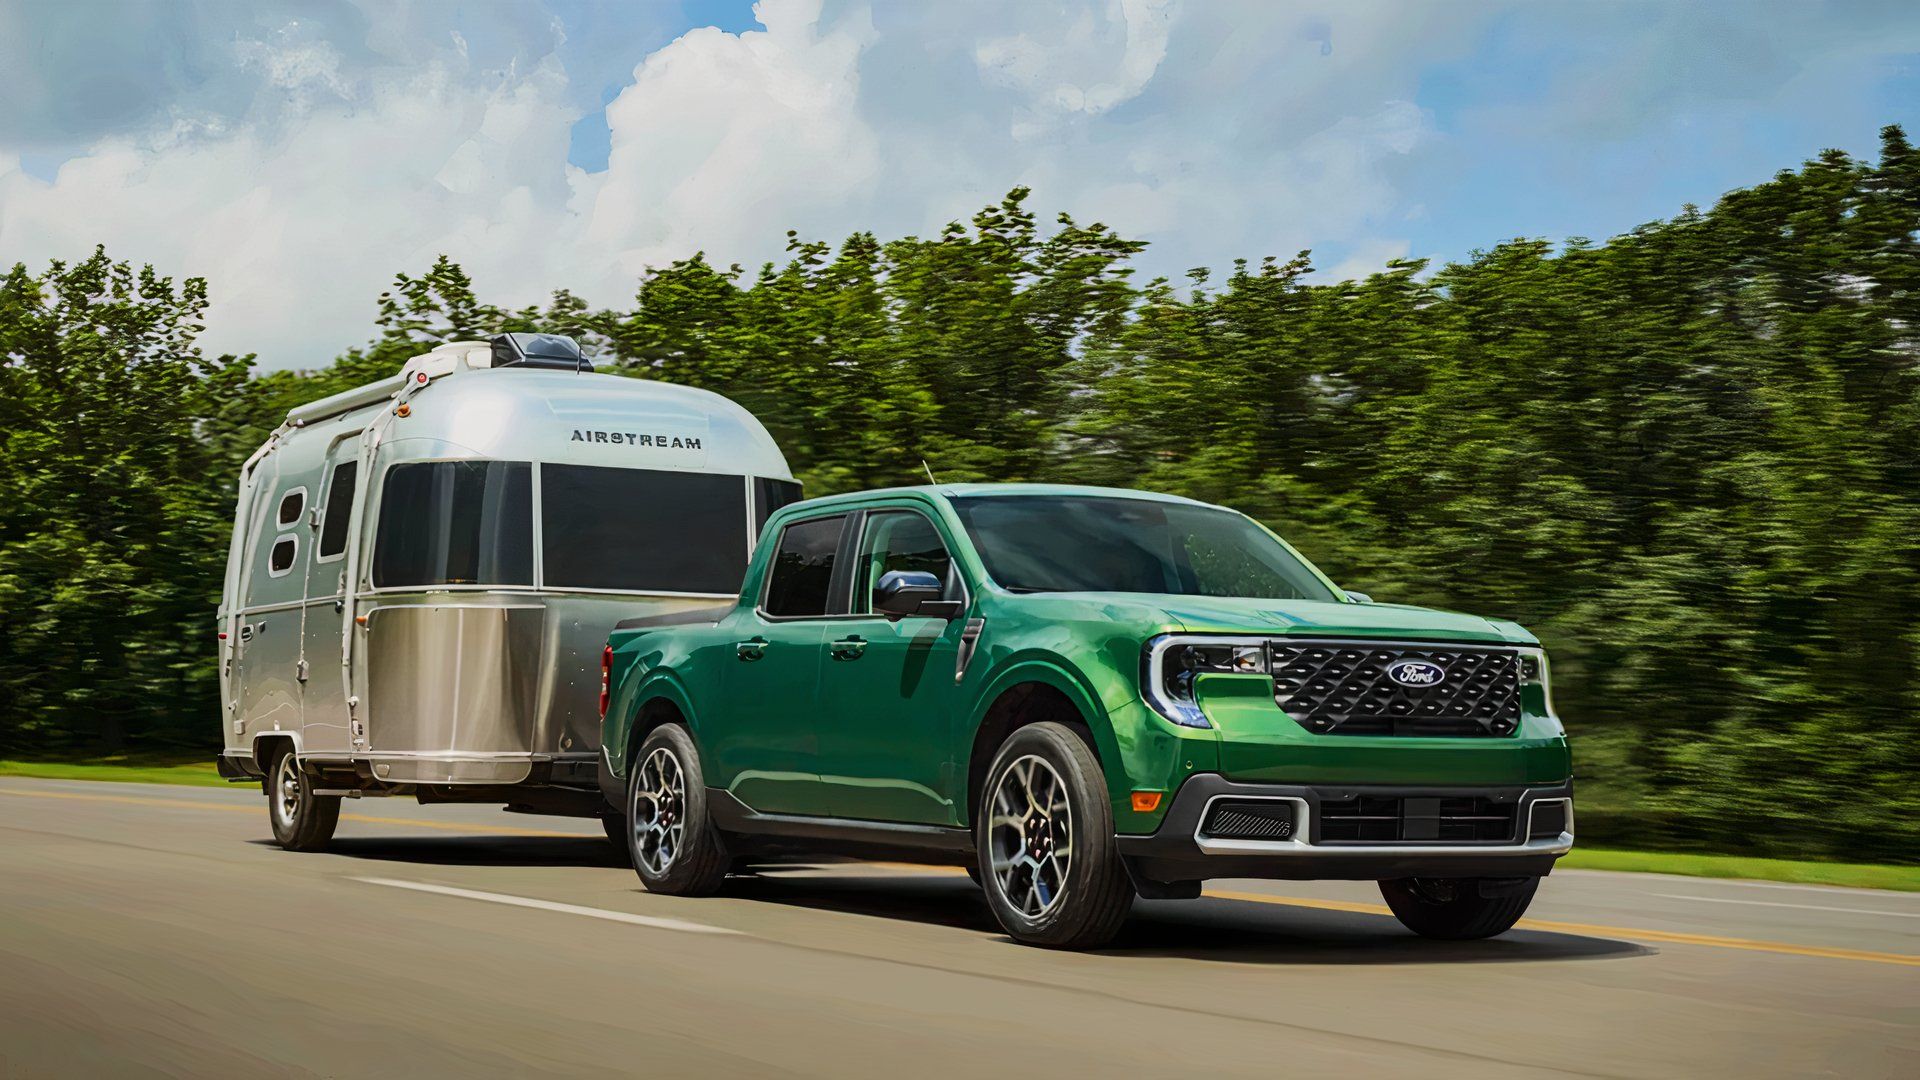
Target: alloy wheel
659	808
286	796
1030	836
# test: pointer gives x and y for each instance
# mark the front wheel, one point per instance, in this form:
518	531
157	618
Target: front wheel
1459	909
670	837
1045	839
302	821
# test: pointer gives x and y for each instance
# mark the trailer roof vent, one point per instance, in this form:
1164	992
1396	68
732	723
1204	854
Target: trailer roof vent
550	351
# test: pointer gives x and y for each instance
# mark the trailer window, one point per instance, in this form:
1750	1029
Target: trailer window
291	504
339	508
771	495
642	530
280	559
801	577
455	523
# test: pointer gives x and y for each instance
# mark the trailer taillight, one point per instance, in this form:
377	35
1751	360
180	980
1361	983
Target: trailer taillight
606	679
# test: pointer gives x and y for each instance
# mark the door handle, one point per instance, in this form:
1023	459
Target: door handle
849	648
752	649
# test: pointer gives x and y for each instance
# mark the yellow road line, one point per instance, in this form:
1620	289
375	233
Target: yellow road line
1629	933
443	826
1588	929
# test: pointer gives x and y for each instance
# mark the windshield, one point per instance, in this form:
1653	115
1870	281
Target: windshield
1079	543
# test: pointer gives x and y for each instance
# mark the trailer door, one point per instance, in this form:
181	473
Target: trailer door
320	640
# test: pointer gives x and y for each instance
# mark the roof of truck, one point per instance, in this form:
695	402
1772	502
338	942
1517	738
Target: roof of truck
962	491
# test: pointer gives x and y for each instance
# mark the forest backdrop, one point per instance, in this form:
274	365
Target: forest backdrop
1687	457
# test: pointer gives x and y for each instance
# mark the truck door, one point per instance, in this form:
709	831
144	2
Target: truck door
326	717
765	737
888	686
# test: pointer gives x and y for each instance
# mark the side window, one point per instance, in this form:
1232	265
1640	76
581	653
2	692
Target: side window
280	559
339	508
900	540
801	575
292	505
455	523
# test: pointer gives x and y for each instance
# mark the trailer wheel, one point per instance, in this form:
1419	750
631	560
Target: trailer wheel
302	821
670	836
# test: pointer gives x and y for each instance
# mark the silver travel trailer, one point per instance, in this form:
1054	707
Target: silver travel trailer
424	571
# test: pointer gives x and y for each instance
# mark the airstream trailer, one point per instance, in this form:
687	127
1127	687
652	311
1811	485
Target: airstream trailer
424	572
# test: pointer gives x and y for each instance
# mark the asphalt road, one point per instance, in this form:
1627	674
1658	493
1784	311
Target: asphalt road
152	930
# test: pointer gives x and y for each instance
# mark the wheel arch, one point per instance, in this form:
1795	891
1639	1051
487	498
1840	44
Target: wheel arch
1032	691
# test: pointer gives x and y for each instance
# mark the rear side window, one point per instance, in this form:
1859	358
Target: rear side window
801	576
333	528
771	495
900	540
642	529
291	504
280	559
455	523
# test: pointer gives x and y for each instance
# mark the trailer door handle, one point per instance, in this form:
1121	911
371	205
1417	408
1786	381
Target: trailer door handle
751	649
850	648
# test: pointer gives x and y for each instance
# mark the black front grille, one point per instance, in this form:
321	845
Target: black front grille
1389	819
1267	819
1343	688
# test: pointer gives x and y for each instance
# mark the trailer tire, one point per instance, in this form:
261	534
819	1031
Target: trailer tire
302	821
670	836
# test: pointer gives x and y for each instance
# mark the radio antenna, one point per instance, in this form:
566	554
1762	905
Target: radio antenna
929	468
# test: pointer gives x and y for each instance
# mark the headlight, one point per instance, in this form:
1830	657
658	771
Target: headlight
1170	665
1533	672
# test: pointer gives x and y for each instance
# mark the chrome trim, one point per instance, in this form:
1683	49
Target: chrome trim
1300	846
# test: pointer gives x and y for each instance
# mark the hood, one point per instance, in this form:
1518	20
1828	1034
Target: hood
1312	618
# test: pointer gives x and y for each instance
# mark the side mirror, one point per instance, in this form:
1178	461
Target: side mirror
901	593
1359	597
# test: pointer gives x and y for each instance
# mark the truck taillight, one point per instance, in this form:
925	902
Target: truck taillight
606	679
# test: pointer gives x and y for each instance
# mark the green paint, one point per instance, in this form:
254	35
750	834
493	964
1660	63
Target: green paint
889	735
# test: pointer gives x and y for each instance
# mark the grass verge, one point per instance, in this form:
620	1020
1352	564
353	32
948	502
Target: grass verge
125	768
1853	875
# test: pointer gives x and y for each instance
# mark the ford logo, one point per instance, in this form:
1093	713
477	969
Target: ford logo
1416	673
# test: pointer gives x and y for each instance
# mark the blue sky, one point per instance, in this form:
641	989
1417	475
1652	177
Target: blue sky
298	153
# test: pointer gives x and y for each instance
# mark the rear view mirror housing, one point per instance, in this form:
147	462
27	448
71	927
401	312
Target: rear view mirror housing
901	593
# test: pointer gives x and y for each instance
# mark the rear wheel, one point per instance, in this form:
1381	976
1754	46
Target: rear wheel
1045	841
669	835
302	821
1459	909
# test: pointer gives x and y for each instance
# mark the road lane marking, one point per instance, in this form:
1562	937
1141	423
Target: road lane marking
1621	932
1803	907
444	826
549	905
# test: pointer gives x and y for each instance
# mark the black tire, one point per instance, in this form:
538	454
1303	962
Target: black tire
302	821
1094	894
696	860
973	875
1458	909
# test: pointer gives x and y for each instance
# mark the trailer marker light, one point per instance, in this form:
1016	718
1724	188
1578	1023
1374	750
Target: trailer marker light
606	678
403	411
1146	802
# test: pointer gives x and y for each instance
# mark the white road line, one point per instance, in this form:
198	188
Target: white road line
1803	907
549	905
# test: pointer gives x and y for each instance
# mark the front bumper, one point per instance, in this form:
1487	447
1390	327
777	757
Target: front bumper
1181	850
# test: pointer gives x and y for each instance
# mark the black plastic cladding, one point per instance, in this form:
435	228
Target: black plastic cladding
1342	688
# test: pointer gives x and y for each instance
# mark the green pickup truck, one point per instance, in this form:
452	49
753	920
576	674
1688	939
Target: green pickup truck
1083	695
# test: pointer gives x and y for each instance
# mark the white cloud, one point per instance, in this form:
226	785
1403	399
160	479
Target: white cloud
362	148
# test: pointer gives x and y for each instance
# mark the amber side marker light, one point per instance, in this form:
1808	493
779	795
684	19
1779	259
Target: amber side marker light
1146	802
